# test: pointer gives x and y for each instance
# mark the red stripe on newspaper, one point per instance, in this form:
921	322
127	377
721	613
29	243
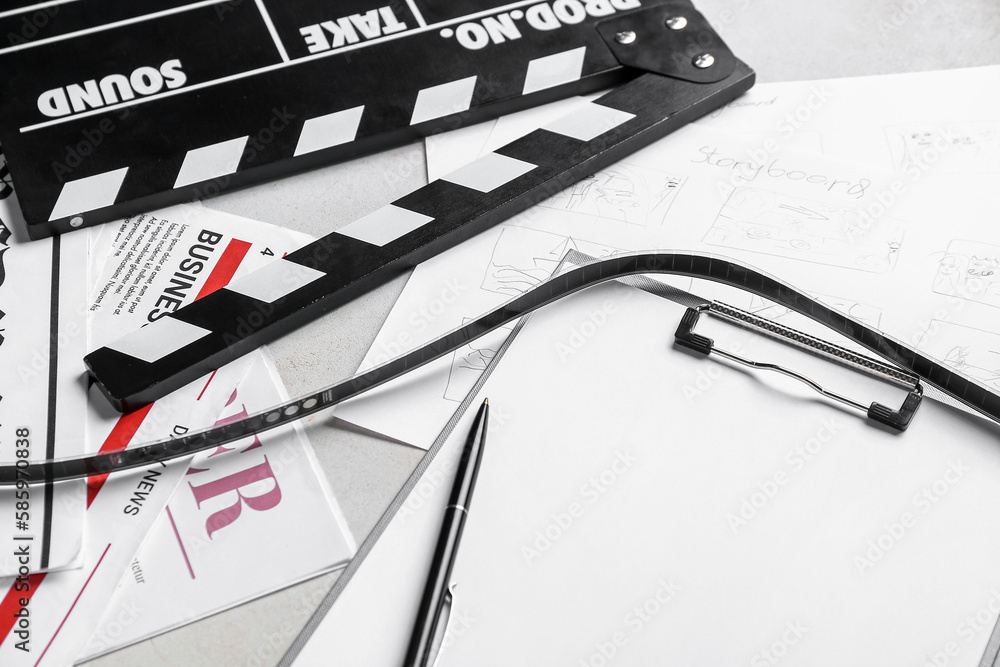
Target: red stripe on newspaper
117	440
180	542
223	272
73	606
205	388
11	604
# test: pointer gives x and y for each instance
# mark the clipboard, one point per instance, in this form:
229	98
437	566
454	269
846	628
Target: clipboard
867	579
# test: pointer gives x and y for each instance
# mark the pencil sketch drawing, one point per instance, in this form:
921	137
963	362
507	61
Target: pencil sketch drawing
627	193
470	362
970	270
524	257
957	148
771	223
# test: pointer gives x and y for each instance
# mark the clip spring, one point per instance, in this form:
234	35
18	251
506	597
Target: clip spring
896	419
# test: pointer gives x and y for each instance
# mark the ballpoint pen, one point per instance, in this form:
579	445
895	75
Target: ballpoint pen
435	592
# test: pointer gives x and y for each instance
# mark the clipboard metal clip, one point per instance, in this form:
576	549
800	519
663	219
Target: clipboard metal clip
877	412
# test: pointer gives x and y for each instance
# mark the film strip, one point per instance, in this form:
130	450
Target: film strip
112	108
174	350
949	386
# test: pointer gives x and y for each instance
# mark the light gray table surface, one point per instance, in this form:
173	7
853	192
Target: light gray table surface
783	40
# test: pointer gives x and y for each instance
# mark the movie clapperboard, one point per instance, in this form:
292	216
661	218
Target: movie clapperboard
112	110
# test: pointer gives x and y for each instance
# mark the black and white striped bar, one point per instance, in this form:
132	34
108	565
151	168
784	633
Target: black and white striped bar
174	350
110	111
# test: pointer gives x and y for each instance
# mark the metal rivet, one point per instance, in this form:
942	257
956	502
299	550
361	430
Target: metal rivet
677	22
625	37
76	222
704	61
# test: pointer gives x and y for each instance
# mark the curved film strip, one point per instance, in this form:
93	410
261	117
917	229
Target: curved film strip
727	272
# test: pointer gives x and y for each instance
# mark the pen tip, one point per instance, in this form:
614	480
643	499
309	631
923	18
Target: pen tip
486	401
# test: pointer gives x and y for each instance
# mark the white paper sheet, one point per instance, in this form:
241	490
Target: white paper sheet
816	223
622	518
944	124
43	337
104	240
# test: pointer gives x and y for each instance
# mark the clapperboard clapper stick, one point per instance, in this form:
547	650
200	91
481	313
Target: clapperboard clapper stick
688	72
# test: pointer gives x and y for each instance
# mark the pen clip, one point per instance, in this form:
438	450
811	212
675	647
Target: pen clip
897	419
438	641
